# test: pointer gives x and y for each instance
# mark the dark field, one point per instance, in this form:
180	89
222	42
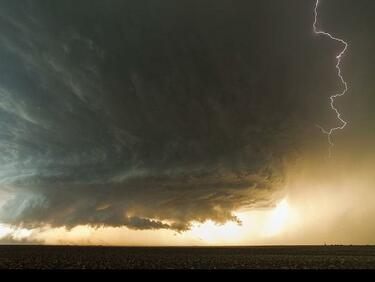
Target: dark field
53	257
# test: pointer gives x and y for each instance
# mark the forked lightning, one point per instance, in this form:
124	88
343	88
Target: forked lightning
339	57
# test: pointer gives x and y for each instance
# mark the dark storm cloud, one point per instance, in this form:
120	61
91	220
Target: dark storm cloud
151	114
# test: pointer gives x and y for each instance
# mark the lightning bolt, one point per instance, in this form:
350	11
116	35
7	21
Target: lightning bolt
339	57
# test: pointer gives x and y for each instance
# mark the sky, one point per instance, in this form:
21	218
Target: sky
185	122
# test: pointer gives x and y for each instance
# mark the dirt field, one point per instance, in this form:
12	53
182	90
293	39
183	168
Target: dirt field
53	257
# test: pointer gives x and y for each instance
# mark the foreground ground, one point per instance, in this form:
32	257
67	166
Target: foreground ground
52	257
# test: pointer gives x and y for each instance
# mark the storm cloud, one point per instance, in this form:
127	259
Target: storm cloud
153	114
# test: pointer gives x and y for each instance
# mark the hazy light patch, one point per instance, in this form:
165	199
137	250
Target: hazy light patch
114	236
4	230
278	219
256	226
212	233
18	234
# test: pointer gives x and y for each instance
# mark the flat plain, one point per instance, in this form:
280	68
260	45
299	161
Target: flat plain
268	257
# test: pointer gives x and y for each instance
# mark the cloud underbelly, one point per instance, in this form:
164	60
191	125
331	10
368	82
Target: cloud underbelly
102	126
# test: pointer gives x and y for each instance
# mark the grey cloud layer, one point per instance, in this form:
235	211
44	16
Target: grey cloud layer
147	114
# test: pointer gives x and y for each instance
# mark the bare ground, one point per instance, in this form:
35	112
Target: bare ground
298	257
